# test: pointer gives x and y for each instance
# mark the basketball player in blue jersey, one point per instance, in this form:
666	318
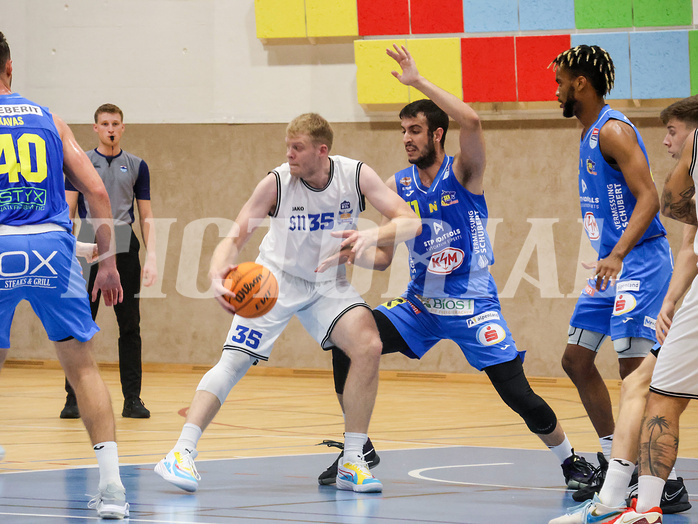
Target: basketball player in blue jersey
452	295
619	204
38	264
311	199
612	479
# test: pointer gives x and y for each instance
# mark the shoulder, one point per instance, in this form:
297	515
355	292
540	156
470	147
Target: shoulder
133	159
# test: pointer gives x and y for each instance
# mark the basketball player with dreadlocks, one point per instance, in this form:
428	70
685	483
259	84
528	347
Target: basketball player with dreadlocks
619	204
611	483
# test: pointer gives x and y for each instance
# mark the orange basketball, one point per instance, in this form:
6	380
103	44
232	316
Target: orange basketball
255	288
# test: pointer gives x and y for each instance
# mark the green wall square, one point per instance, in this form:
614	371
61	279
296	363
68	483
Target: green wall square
603	14
693	60
663	12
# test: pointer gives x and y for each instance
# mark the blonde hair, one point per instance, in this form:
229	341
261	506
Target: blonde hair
313	125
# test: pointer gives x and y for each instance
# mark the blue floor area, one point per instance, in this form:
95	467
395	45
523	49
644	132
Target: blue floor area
454	485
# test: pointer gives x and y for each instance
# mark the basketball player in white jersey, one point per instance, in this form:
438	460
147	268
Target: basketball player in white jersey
314	201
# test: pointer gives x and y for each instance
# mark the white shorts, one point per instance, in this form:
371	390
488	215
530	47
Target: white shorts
676	372
318	306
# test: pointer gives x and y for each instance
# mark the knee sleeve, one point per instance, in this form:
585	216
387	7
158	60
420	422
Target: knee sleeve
510	382
340	369
221	378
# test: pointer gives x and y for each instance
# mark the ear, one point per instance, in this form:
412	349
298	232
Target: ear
95	128
438	135
324	150
580	82
8	68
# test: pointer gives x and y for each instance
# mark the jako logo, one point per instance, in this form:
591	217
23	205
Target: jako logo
490	334
445	261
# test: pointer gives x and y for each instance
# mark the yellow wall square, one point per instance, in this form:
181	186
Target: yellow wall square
280	18
335	18
439	60
374	83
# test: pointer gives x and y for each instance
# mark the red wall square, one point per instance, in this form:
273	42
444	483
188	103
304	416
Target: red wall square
445	17
533	55
489	69
383	17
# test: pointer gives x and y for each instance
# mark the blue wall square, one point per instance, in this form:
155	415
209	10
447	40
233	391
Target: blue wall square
660	65
537	15
490	16
618	46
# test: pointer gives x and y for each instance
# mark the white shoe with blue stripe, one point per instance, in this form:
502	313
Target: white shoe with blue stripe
178	468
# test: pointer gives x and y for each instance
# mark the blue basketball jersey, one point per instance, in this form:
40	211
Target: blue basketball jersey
606	201
452	255
31	165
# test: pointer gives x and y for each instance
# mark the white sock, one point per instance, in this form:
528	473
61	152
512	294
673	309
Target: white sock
673	475
606	445
649	493
562	451
616	483
189	438
354	446
108	461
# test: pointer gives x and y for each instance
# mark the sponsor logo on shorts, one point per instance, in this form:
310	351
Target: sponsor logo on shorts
624	303
490	334
19	268
650	322
589	290
449	307
446	261
390	304
628	285
594	138
483	317
591	227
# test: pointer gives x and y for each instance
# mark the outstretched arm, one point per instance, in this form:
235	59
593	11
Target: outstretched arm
469	164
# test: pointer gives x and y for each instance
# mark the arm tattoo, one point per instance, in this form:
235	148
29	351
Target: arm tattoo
682	208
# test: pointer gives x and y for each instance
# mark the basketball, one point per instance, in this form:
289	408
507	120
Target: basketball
255	288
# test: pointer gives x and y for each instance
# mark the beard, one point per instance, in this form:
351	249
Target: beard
568	106
427	158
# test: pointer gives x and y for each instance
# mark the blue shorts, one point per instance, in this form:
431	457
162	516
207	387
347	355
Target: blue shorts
477	326
630	307
42	269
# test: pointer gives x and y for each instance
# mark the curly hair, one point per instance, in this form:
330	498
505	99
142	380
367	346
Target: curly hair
592	62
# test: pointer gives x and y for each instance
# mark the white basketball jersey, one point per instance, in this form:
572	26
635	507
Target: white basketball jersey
299	236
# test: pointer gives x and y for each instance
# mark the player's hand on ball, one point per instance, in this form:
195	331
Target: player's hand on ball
221	293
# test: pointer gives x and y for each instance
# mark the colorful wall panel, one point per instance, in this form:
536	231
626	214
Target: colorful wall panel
280	18
660	65
618	46
336	18
654	49
533	56
552	15
383	17
374	83
489	69
446	17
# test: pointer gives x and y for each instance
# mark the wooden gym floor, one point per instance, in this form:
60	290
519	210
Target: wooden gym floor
451	450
